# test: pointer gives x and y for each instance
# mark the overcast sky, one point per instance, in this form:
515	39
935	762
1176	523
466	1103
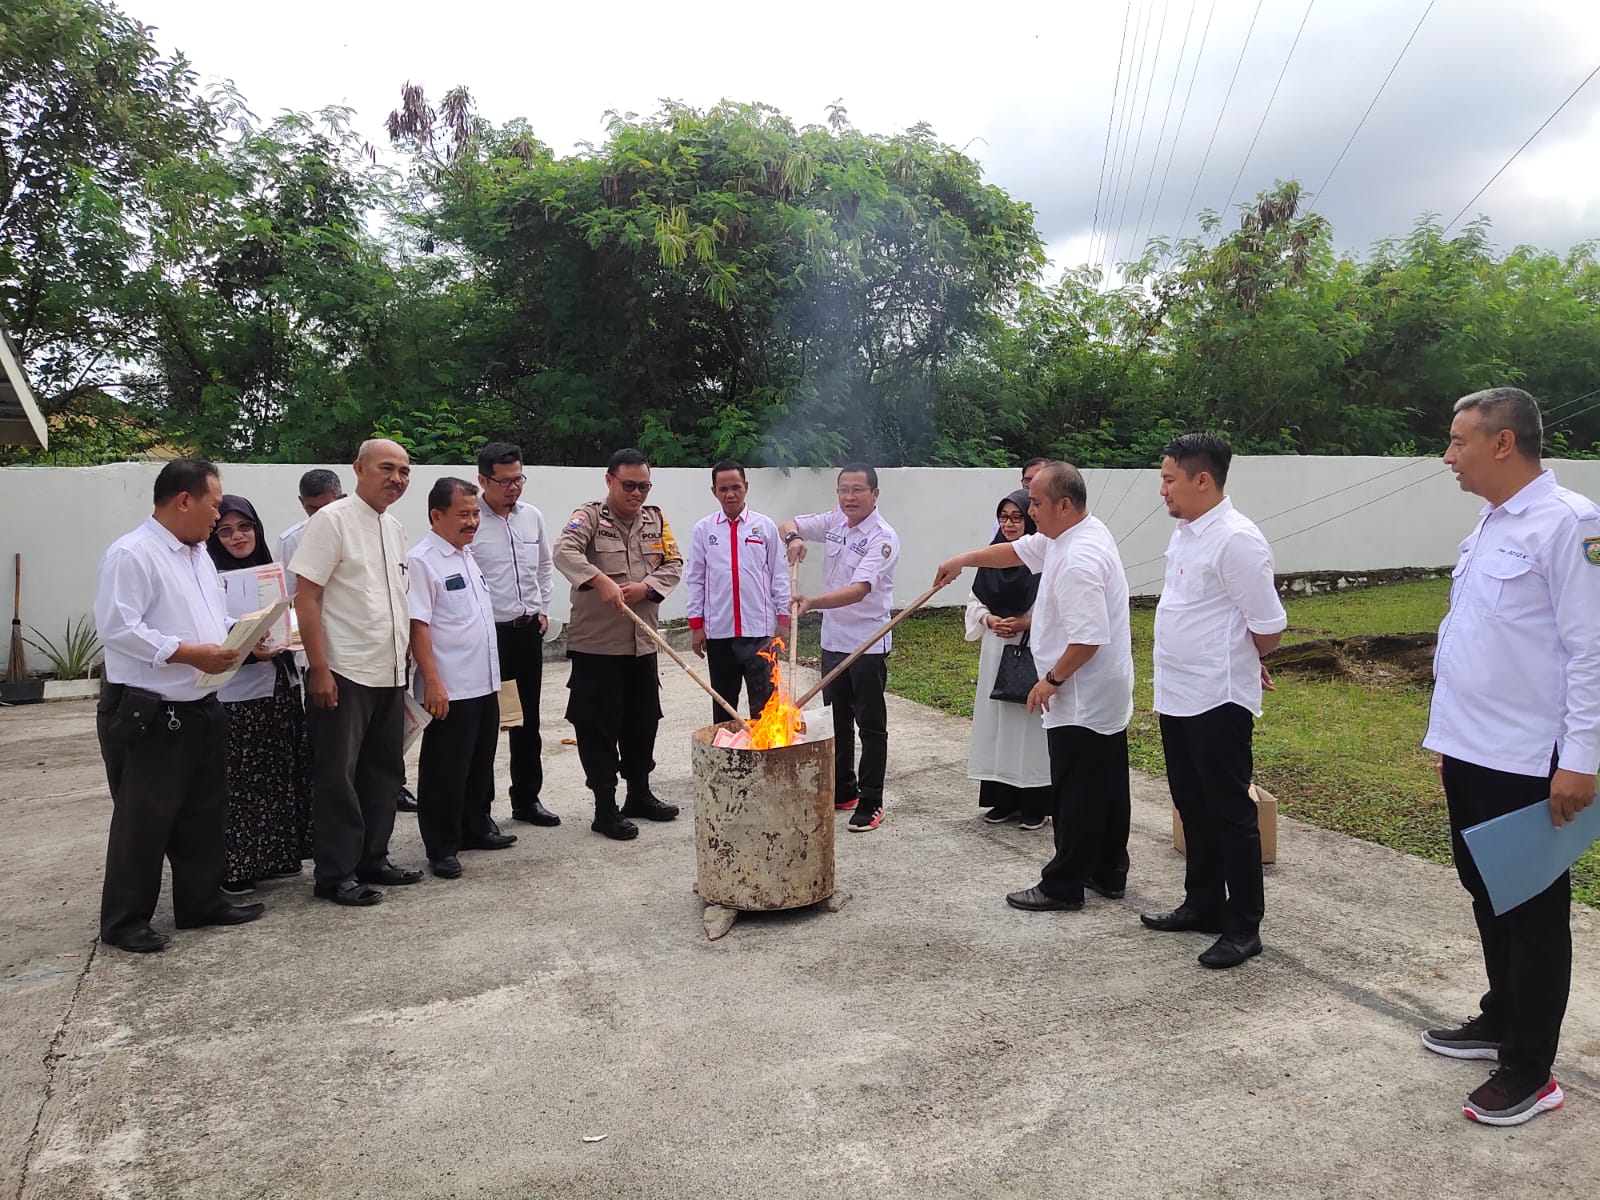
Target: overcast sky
1026	87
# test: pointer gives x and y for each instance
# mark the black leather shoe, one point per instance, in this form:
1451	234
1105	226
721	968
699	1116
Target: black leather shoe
390	875
448	867
494	840
1230	952
1181	920
140	941
648	807
615	826
534	814
1034	900
227	914
1111	891
348	892
405	802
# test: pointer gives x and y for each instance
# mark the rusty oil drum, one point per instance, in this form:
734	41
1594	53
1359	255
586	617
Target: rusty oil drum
763	823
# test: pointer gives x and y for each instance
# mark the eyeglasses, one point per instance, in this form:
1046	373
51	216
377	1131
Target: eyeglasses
1010	518
228	531
852	490
633	485
509	481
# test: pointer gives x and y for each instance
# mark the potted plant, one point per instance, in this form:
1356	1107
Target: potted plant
73	660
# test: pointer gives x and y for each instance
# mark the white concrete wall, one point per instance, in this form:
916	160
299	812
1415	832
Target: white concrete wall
1342	514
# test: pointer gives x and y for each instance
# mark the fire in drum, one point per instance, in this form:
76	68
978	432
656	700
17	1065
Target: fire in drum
764	821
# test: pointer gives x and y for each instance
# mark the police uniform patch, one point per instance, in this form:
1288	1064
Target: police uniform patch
1591	551
886	549
578	519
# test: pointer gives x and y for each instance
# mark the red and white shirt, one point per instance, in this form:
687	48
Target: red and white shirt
737	576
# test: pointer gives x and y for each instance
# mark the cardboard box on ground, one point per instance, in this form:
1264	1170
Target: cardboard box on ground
1266	818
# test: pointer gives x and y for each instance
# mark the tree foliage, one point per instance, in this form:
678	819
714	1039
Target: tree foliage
703	283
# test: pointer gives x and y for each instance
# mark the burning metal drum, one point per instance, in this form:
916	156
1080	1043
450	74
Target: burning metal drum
763	823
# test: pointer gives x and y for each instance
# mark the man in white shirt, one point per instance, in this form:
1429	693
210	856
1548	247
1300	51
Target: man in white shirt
356	628
1219	612
737	581
1515	722
516	557
319	488
858	581
1083	651
458	660
160	614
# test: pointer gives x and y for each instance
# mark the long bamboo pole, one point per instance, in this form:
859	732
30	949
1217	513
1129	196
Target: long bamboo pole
867	645
677	658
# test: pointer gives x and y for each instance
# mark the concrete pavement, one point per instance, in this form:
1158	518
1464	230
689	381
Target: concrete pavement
463	1038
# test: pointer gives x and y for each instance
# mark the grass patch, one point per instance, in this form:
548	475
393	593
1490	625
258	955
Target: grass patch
1343	755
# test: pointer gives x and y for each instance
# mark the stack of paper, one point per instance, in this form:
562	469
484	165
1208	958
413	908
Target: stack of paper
733	739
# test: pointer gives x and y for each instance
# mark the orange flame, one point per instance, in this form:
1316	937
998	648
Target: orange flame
780	722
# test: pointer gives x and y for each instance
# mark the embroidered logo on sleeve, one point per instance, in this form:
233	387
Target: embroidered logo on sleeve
886	549
1591	551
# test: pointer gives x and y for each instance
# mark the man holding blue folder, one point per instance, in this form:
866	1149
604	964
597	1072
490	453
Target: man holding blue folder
1516	722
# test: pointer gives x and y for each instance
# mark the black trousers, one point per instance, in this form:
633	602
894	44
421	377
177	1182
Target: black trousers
1209	767
614	704
1093	811
169	791
1032	803
856	698
455	769
736	662
522	659
357	771
1527	952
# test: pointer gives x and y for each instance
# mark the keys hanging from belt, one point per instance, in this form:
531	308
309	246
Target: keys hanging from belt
173	722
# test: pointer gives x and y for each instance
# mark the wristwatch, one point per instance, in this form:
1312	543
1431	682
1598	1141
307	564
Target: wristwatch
1052	680
791	537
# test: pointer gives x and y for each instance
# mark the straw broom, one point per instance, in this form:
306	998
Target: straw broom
16	664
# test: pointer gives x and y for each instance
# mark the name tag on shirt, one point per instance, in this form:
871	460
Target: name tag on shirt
455	583
836	538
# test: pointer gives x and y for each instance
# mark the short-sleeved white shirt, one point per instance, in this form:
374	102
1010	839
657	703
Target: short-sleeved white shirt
1083	601
357	555
865	553
1517	665
288	543
1219	590
450	595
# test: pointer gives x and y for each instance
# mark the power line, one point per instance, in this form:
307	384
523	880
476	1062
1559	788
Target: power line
1142	44
1155	157
1317	195
1105	151
1263	124
1521	148
1119	140
1182	113
1189	203
1149	93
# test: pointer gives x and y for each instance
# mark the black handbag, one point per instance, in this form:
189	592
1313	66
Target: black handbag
1015	676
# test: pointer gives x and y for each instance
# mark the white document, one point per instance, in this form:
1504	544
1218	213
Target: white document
251	589
246	632
417	719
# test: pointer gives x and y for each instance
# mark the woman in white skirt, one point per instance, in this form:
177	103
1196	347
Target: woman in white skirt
1009	755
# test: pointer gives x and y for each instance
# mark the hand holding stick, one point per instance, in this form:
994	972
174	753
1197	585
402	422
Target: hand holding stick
868	644
677	658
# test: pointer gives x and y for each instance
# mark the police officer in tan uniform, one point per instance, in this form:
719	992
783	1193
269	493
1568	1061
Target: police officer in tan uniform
615	553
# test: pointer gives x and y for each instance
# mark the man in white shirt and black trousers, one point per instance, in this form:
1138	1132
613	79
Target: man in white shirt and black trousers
858	577
356	627
1083	652
1219	612
737	584
161	617
1516	722
514	552
458	660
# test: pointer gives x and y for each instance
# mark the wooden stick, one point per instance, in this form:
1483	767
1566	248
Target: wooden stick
868	644
794	620
688	670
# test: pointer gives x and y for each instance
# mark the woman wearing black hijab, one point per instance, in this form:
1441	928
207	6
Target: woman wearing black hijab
1009	755
268	824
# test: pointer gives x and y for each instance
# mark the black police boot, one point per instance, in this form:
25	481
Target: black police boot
642	803
609	821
